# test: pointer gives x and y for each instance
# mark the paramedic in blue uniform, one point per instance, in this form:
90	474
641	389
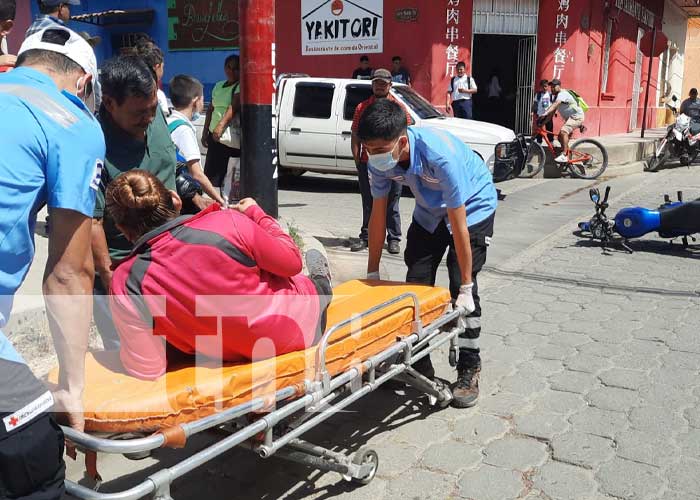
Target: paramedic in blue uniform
455	210
52	151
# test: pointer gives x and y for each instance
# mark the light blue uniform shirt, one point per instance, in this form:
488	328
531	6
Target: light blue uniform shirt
51	152
443	173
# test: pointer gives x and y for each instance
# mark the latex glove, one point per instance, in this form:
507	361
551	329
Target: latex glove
373	276
465	300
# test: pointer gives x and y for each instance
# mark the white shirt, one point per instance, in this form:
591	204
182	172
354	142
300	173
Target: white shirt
465	81
568	108
543	103
3	45
163	102
185	137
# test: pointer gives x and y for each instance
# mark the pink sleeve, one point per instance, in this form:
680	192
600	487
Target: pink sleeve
143	354
271	248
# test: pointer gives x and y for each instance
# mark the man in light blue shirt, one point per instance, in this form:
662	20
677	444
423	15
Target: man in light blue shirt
455	209
53	14
52	152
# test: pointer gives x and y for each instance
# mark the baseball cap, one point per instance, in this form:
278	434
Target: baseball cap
52	3
556	81
381	74
76	48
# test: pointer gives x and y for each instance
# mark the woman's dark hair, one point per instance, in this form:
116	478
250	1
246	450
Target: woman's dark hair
383	119
8	10
231	59
127	76
139	202
183	89
151	54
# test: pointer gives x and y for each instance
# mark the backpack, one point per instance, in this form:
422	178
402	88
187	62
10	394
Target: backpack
452	83
579	100
171	128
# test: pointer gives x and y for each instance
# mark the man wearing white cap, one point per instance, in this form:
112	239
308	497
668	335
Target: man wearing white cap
52	153
54	14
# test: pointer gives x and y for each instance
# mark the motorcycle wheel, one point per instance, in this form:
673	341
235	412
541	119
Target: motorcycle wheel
657	161
534	160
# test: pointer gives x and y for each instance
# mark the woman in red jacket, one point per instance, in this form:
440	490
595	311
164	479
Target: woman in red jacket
222	283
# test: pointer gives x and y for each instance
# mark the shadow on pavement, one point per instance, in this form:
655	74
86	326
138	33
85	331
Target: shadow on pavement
252	477
661	247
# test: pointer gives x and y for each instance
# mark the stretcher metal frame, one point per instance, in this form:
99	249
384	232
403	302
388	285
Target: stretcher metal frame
323	397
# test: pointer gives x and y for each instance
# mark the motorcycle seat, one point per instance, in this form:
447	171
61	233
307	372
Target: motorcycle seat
684	218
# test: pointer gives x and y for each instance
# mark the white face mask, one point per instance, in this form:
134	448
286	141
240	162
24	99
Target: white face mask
90	99
384	161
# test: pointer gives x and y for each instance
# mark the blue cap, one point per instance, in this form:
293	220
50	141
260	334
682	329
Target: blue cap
52	3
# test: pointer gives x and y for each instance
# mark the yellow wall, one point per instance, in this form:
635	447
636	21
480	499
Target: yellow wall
691	77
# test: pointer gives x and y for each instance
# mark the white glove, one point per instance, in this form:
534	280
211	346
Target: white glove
373	276
465	300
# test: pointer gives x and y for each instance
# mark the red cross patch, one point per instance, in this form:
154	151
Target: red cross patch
14	421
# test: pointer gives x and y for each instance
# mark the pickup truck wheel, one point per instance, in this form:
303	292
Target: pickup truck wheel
290	173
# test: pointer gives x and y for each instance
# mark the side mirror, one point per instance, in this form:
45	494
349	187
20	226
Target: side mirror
595	195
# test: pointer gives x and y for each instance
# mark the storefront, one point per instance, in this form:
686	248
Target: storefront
594	46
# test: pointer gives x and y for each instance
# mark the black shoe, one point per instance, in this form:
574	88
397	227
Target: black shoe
394	247
358	246
466	389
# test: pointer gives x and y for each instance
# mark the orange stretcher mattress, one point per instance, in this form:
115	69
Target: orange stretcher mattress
116	402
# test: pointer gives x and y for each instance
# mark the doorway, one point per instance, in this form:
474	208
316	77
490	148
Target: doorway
514	69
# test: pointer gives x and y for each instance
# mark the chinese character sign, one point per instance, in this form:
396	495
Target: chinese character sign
561	35
452	14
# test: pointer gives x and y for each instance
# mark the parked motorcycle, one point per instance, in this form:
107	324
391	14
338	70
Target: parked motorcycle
682	141
677	219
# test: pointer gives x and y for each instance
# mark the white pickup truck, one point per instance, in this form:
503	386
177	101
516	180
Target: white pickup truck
314	117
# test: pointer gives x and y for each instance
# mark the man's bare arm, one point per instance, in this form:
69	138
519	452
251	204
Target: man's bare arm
100	253
68	280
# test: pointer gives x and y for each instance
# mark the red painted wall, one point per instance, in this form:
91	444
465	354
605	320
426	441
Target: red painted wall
420	44
610	112
23	18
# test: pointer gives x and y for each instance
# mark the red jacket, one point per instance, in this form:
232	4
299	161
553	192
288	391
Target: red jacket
220	283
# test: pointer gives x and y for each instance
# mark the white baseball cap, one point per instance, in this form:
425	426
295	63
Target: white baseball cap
76	48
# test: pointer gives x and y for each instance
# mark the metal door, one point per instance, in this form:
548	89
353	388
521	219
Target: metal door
637	83
527	53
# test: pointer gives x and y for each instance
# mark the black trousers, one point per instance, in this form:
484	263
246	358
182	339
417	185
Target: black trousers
393	217
217	161
31	454
424	252
463	108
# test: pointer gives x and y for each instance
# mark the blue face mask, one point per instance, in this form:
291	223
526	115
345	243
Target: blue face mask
383	161
196	116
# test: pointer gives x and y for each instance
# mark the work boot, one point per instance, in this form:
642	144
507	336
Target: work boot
466	389
359	245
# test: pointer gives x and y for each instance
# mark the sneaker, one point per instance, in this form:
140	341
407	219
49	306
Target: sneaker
562	158
358	246
394	247
317	265
466	389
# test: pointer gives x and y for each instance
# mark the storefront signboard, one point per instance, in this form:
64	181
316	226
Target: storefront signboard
637	11
342	27
202	24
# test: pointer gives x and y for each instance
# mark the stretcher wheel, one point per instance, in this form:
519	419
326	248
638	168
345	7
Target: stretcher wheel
366	456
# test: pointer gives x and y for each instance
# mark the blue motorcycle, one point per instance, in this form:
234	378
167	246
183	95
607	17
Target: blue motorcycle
673	219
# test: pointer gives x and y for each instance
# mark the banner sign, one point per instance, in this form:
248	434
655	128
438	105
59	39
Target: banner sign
202	24
341	27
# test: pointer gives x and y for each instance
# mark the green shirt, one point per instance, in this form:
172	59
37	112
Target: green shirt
124	153
221	97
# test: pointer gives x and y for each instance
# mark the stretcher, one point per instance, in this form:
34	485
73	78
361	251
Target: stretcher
377	330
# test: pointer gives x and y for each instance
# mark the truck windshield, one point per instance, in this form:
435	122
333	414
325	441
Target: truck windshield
417	103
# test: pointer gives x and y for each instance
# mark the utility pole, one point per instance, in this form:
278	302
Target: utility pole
257	35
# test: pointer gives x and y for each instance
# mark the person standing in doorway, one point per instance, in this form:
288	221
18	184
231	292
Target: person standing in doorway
399	74
459	94
53	14
363	72
381	89
225	105
543	99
